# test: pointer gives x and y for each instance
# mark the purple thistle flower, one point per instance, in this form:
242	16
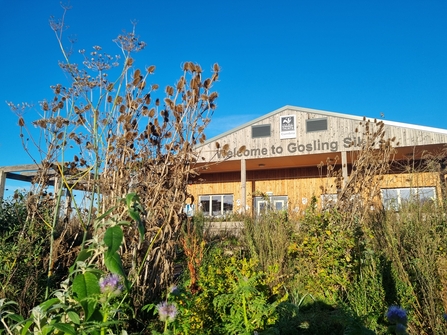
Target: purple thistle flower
111	285
167	311
397	315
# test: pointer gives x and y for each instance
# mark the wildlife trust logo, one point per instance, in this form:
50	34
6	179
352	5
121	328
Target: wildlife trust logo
287	126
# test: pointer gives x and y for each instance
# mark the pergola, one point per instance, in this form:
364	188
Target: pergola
24	173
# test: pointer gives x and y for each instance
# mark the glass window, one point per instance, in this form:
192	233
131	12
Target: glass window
328	200
260	131
216	205
316	125
393	198
205	205
272	202
228	204
390	198
279	204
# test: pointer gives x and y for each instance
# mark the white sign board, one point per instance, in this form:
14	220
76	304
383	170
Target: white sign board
287	126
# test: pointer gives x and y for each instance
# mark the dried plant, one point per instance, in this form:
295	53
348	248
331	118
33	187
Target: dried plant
361	191
109	137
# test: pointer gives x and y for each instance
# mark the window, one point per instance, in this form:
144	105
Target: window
394	198
216	205
260	131
316	125
273	202
328	200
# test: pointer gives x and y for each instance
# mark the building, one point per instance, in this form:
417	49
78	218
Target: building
286	154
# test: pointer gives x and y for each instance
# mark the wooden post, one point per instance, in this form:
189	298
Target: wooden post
67	207
243	185
344	167
2	184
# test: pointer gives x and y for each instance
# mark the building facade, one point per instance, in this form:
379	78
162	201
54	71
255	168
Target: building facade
288	154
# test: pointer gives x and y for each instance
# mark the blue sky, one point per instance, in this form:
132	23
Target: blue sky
356	57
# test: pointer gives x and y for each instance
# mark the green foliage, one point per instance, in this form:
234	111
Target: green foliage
23	243
413	241
266	236
245	308
12	213
234	296
323	252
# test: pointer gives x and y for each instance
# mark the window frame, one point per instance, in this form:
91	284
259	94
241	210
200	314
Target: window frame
262	126
314	120
261	204
414	194
226	205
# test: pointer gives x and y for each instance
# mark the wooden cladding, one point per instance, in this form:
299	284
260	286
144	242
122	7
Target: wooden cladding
289	173
316	132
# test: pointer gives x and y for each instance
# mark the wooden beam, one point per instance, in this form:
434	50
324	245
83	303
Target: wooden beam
243	185
18	176
2	184
17	168
344	167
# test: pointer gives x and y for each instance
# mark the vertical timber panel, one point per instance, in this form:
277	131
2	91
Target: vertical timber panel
344	167
2	184
243	185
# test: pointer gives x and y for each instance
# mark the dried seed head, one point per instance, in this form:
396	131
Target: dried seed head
129	62
169	90
151	69
181	84
241	149
136	74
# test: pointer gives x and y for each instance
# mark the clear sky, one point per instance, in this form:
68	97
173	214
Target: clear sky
357	57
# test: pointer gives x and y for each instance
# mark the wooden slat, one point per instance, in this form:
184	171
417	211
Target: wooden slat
17	168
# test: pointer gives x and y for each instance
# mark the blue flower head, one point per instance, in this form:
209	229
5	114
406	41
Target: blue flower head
397	315
111	285
167	311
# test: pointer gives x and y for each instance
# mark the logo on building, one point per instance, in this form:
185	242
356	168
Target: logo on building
287	126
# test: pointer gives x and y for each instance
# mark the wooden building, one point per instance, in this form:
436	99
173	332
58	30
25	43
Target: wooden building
285	154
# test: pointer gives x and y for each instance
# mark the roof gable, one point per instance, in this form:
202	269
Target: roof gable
300	131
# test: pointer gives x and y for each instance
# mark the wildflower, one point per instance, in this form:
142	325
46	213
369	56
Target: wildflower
167	311
397	315
111	285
